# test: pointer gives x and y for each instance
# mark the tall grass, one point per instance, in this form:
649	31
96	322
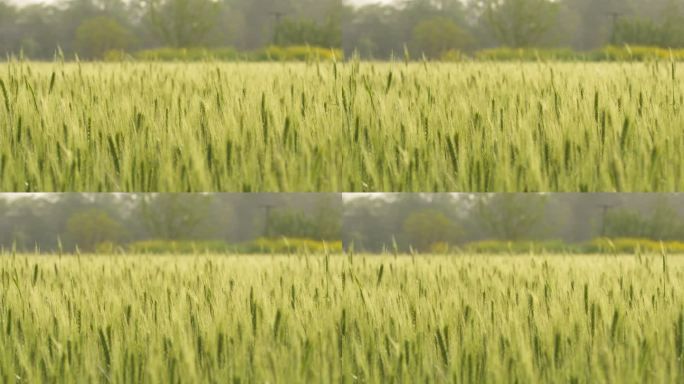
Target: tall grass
327	319
341	127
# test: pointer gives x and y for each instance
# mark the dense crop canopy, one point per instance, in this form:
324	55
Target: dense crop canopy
342	127
342	319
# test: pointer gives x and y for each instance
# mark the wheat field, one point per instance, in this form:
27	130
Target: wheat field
351	126
351	318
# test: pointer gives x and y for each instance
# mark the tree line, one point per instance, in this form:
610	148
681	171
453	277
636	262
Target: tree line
90	28
430	28
413	28
419	221
376	222
66	221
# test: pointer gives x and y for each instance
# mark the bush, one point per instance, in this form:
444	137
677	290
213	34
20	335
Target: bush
298	53
628	245
596	246
453	55
608	53
527	54
261	245
637	53
106	248
176	247
97	36
290	245
272	53
116	55
520	247
188	54
441	247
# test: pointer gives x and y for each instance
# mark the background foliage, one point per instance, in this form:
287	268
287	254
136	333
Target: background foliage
415	28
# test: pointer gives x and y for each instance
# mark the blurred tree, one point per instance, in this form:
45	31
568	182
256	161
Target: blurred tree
626	223
428	227
328	218
97	36
171	216
324	224
672	28
8	35
37	32
377	223
665	223
374	31
519	23
39	220
183	23
307	32
660	222
638	31
648	32
290	223
89	228
434	37
510	216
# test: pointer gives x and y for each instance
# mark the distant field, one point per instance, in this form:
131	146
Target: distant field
342	319
342	127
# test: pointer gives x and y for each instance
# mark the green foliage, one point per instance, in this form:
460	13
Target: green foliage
285	245
661	224
97	36
189	54
271	53
116	55
182	23
282	245
466	319
511	217
295	224
625	224
633	245
647	32
636	31
172	216
528	54
608	53
453	55
521	247
637	53
320	223
298	53
520	23
307	32
92	227
179	247
557	247
424	229
435	37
